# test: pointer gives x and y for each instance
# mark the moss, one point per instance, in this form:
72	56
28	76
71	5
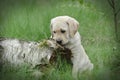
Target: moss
43	44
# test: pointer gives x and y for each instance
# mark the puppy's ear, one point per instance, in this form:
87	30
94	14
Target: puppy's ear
73	26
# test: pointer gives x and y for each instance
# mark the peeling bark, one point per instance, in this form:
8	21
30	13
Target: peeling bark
18	52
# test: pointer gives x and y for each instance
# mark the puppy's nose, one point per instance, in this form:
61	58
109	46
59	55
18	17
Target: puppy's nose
59	41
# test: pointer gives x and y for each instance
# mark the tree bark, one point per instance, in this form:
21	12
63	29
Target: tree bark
18	52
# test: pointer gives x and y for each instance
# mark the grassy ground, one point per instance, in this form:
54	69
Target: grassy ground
31	20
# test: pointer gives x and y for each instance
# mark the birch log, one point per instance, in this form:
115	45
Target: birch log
18	52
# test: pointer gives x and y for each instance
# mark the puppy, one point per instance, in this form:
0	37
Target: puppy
64	30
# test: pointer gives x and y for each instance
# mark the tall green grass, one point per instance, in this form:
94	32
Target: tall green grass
31	21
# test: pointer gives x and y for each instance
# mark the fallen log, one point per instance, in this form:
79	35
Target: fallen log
18	52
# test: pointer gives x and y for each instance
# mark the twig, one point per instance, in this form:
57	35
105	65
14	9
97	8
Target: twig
118	11
111	4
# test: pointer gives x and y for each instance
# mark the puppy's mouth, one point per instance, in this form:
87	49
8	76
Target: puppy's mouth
60	42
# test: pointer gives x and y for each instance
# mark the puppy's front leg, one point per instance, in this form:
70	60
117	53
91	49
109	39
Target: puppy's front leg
75	71
80	61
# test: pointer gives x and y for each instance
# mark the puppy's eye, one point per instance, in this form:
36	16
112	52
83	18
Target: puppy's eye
54	31
62	31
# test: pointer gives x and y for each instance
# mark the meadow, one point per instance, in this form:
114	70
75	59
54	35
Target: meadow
30	20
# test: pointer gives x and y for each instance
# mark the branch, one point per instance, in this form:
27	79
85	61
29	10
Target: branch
111	3
117	11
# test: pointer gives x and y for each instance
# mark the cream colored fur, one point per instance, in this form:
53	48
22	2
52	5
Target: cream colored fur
71	39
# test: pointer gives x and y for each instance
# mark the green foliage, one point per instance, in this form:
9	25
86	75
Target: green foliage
30	20
43	44
81	1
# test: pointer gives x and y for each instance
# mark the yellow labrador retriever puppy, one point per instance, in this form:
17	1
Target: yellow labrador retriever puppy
64	30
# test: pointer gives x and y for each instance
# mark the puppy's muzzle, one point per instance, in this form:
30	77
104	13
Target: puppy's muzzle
59	41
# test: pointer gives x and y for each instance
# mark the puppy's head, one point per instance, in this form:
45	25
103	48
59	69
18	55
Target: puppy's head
63	28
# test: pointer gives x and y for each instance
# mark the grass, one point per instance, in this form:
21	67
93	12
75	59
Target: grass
31	20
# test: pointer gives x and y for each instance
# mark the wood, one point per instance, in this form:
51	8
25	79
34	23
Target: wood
19	52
